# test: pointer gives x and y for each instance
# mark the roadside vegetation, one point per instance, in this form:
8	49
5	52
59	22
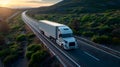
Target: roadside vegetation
103	28
17	41
35	54
91	19
12	44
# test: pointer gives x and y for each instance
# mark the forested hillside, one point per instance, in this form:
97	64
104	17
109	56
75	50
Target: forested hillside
81	6
97	19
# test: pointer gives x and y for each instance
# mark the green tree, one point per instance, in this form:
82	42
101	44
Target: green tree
21	37
9	60
37	58
32	49
2	40
101	39
29	54
75	25
85	18
88	33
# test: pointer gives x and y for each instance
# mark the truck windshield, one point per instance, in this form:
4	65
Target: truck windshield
66	35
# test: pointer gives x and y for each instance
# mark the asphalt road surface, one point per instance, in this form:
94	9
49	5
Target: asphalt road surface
86	55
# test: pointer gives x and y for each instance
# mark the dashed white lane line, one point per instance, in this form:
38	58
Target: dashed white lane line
91	56
101	50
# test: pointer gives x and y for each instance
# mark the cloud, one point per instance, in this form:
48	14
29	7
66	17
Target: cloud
34	1
29	3
43	1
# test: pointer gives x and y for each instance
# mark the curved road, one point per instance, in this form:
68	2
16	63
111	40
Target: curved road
85	55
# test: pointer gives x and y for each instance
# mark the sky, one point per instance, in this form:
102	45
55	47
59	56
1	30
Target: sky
26	3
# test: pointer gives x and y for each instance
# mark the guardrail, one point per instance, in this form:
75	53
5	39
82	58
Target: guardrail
31	26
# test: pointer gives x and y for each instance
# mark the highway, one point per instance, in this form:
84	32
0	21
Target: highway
15	14
84	56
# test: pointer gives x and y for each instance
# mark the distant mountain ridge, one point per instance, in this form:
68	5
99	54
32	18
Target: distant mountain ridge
81	6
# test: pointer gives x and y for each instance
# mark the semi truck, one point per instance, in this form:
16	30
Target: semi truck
59	33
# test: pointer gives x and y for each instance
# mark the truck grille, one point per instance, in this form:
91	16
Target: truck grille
72	44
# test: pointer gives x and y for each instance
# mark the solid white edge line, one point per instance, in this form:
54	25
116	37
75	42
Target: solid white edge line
101	50
60	50
101	45
48	47
64	54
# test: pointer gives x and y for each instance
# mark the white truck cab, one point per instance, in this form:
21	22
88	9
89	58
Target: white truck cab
66	38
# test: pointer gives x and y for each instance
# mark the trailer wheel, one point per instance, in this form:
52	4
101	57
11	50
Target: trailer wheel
50	38
43	32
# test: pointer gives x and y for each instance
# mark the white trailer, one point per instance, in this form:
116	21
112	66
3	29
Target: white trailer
60	33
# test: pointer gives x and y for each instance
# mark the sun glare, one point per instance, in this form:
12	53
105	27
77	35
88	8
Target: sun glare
4	3
24	3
